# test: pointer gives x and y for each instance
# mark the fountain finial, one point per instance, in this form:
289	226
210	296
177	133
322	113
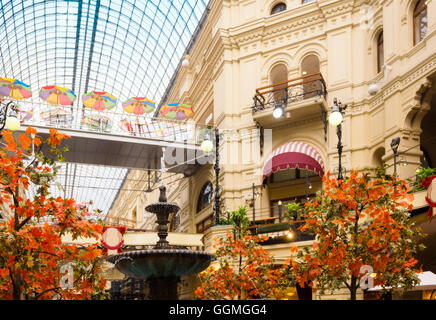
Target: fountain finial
162	196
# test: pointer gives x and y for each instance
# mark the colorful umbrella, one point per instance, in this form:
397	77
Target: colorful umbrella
177	111
99	100
56	95
98	122
138	105
14	88
57	115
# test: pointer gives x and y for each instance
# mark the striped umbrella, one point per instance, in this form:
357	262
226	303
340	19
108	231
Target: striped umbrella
177	111
138	105
56	95
14	88
99	100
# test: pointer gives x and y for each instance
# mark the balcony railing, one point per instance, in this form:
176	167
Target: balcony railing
276	227
298	89
116	122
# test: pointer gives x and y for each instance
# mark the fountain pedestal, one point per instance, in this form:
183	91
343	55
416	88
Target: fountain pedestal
163	288
161	266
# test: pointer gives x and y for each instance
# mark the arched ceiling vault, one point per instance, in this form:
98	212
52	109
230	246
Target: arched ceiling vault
125	47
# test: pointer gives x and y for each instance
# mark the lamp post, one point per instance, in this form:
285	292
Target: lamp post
394	145
335	119
279	204
9	120
253	201
308	185
217	174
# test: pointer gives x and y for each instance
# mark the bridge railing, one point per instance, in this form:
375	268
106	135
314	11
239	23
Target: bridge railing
38	113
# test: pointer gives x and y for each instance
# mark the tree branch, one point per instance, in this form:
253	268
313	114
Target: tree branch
23	223
55	289
346	283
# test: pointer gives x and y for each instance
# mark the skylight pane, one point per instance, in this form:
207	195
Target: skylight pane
136	49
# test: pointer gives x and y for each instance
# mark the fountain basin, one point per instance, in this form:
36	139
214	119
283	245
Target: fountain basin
162	207
161	263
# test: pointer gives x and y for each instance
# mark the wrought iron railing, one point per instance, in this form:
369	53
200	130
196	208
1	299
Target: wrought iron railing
275	225
298	89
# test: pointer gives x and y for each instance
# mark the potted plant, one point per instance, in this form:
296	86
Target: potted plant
293	211
239	217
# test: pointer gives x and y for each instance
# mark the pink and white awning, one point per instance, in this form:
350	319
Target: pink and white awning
294	155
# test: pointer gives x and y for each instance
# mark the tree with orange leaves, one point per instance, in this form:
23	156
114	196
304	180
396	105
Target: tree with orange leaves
361	225
34	263
246	270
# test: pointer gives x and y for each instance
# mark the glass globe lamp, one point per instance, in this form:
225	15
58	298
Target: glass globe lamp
335	117
278	111
12	123
206	146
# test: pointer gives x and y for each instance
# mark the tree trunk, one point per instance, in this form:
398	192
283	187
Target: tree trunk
353	294
353	288
16	285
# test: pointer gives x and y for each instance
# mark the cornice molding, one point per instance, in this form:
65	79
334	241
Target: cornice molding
337	8
421	71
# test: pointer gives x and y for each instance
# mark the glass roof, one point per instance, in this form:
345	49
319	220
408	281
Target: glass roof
129	48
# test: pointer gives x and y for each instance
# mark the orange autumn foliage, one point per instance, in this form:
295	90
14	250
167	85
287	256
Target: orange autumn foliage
32	255
360	221
245	271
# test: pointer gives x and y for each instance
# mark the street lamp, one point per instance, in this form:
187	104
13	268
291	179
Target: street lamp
280	210
335	119
9	119
279	111
206	146
255	195
217	175
394	145
308	185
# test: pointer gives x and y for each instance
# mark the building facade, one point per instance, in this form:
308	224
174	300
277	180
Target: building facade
252	57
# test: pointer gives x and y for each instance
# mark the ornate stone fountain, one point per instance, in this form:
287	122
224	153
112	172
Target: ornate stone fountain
163	265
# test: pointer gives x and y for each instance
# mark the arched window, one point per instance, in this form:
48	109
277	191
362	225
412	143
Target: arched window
378	157
380	52
419	21
279	7
205	197
278	77
310	65
306	1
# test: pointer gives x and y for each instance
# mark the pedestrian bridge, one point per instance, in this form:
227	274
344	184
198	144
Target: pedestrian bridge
123	140
105	146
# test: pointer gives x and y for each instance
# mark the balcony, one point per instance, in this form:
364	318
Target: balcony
301	98
280	230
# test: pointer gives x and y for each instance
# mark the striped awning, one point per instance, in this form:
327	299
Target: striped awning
294	155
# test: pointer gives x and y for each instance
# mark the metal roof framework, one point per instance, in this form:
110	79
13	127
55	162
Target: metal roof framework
125	47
